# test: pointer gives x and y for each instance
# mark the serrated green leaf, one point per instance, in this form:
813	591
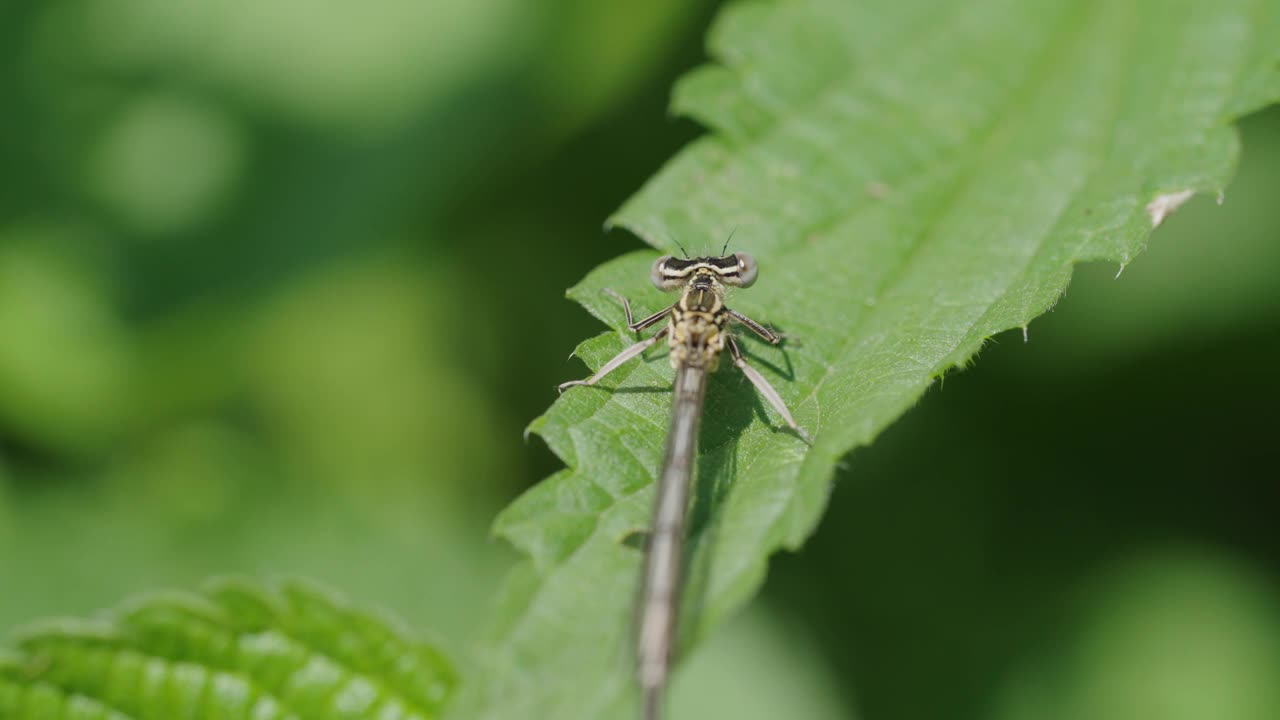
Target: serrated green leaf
235	651
914	178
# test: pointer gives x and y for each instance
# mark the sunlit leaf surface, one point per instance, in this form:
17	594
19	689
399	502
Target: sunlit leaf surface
914	178
235	651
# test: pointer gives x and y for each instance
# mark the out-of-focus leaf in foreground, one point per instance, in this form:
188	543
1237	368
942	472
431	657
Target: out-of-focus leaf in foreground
236	650
913	178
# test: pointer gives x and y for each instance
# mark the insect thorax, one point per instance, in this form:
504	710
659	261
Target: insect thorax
697	326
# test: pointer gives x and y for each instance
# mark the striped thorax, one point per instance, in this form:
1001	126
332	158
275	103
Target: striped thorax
698	322
699	319
697	331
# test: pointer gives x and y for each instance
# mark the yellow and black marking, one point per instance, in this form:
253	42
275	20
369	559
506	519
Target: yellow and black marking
697	331
698	321
671	273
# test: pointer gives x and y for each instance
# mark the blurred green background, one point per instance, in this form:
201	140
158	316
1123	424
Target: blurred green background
280	289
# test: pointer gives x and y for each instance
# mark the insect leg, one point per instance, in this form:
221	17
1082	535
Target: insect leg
632	325
765	389
768	335
617	360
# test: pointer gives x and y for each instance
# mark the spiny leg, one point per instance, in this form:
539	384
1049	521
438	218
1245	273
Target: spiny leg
632	325
617	360
765	333
765	389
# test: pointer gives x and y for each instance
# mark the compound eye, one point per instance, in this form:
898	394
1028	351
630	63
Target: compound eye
747	269
657	277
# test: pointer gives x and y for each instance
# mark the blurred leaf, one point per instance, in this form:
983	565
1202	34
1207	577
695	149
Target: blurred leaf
364	70
166	162
759	649
596	51
1181	637
355	352
225	510
1209	273
6	521
234	651
66	363
914	180
1178	635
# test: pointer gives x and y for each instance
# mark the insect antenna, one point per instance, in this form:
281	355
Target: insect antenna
725	249
686	252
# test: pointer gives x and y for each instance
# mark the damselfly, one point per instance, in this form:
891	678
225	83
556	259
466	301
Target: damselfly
697	332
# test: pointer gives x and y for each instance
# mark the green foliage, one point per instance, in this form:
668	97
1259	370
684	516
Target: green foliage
236	650
220	254
914	179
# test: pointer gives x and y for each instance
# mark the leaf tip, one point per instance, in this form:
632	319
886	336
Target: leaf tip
534	426
1165	204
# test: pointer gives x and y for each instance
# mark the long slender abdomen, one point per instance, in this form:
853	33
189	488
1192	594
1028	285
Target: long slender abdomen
660	595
